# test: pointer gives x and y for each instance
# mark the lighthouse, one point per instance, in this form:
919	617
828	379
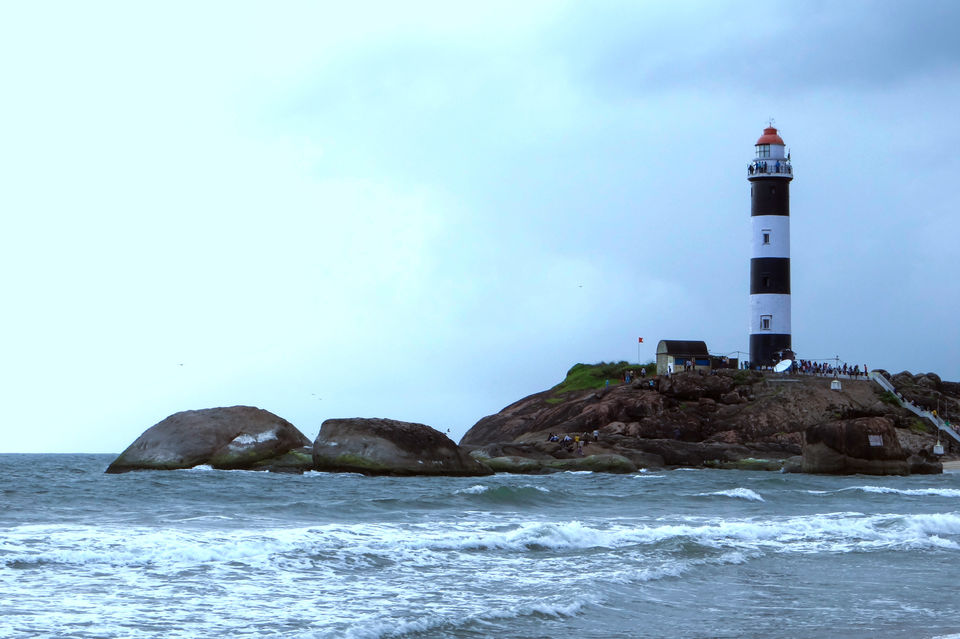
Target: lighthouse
769	175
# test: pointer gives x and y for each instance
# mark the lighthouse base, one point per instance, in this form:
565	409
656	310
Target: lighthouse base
766	349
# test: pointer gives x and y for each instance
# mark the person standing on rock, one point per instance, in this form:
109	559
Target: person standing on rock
596	435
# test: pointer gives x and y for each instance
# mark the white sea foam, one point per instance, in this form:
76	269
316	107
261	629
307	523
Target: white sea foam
172	550
199	468
916	492
330	475
737	493
379	628
541	489
473	490
677	568
479	489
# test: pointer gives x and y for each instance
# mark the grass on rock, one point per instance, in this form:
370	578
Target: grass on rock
591	376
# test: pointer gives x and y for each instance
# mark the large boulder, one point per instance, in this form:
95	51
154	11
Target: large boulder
234	437
865	445
693	386
924	462
390	447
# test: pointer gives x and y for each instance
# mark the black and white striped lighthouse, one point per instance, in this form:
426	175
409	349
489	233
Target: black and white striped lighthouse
770	174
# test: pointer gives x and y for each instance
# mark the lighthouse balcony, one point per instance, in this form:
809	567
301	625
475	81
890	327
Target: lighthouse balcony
770	168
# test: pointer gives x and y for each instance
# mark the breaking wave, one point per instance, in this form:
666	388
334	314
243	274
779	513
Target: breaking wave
737	493
172	549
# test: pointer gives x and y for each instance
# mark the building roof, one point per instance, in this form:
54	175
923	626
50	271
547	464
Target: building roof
770	136
681	347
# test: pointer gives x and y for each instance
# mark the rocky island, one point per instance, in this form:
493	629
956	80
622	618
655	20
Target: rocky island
726	418
722	419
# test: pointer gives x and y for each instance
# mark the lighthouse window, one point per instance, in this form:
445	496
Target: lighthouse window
765	282
765	322
766	236
763	150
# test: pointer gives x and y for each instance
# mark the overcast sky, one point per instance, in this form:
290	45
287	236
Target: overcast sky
426	211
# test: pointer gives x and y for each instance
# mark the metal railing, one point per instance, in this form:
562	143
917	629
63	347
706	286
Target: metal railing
916	410
770	167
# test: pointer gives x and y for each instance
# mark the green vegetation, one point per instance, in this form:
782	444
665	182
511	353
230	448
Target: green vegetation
746	377
889	398
588	376
919	427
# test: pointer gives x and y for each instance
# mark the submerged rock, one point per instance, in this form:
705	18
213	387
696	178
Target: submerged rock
748	463
390	447
513	464
603	463
234	437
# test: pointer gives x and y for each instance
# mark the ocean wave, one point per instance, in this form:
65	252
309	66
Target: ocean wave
473	490
379	628
886	490
331	546
680	567
502	491
737	493
915	492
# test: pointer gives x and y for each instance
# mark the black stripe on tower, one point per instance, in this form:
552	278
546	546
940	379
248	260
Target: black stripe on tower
770	275
768	348
769	196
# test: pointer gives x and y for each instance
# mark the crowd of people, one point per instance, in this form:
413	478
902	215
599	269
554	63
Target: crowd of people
762	166
852	371
629	376
574	443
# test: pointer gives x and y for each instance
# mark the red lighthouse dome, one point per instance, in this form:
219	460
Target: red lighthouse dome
770	136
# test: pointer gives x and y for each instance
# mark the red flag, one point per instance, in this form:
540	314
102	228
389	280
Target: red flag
641	340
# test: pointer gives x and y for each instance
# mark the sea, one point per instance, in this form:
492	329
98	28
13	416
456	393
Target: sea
681	553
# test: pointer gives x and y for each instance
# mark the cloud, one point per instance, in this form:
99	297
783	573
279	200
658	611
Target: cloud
783	50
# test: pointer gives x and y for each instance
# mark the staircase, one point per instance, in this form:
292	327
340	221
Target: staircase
919	412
